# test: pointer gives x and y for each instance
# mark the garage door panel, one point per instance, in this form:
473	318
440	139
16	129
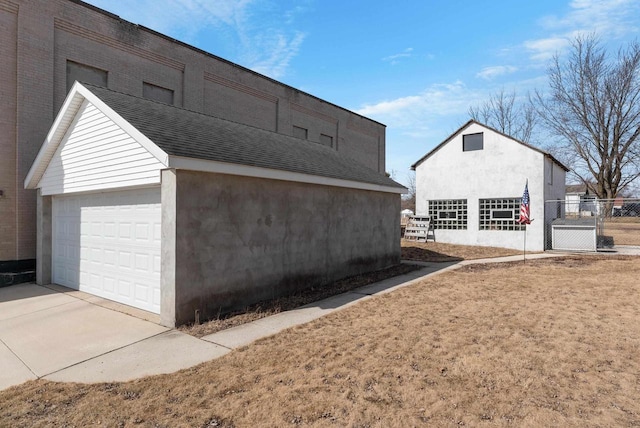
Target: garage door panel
124	231
109	284
110	228
142	292
156	296
108	244
124	289
66	275
156	264
110	257
142	233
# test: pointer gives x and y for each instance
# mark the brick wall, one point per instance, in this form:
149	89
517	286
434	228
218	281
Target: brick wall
43	34
8	82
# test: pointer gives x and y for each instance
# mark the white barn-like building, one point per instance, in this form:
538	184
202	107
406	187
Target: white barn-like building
471	186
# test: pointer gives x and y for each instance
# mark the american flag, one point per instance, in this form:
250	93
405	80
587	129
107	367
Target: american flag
524	206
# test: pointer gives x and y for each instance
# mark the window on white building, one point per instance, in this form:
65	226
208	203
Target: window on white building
471	142
448	213
500	214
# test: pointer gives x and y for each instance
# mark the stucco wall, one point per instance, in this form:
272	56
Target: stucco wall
241	240
500	170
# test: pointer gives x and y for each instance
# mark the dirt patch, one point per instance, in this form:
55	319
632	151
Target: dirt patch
554	342
440	252
287	303
572	261
413	251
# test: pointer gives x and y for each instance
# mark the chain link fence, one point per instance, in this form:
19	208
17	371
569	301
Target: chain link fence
589	224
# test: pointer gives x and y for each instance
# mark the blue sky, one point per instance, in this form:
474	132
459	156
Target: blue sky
415	65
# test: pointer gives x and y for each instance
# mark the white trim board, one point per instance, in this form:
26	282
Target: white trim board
203	165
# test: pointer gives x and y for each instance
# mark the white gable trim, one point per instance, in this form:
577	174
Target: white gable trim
473	122
58	131
192	164
77	98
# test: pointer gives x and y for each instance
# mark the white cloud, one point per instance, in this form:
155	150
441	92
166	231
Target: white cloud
394	59
489	73
613	17
416	123
545	49
179	16
281	49
253	29
607	18
414	115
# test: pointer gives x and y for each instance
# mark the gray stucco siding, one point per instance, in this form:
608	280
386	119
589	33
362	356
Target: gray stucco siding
241	240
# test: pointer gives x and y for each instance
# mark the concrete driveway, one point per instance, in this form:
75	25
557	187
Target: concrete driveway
61	334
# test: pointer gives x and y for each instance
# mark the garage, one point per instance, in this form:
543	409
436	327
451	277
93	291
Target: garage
108	244
188	215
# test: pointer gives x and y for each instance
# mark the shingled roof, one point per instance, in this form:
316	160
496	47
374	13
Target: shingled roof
189	134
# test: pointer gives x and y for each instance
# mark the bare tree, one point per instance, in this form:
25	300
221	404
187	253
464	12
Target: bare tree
409	200
501	112
594	109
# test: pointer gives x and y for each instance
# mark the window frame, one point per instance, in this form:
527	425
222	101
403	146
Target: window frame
457	206
154	87
448	217
487	207
469	144
79	66
494	217
327	138
306	132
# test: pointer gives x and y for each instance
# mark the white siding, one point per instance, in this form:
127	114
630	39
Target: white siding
96	155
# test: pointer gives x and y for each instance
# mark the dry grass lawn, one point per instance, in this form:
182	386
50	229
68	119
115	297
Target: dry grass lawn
624	230
555	342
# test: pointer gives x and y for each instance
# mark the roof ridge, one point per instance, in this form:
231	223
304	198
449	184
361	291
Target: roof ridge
473	121
314	144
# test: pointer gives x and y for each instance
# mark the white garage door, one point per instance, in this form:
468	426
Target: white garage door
108	244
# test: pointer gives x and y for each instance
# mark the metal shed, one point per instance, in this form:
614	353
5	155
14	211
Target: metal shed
578	234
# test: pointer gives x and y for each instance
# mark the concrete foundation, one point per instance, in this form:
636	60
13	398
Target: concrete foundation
168	248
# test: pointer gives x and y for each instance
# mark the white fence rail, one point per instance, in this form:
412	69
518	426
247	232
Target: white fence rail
419	228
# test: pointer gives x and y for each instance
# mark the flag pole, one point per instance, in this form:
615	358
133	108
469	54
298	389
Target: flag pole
524	247
525	218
